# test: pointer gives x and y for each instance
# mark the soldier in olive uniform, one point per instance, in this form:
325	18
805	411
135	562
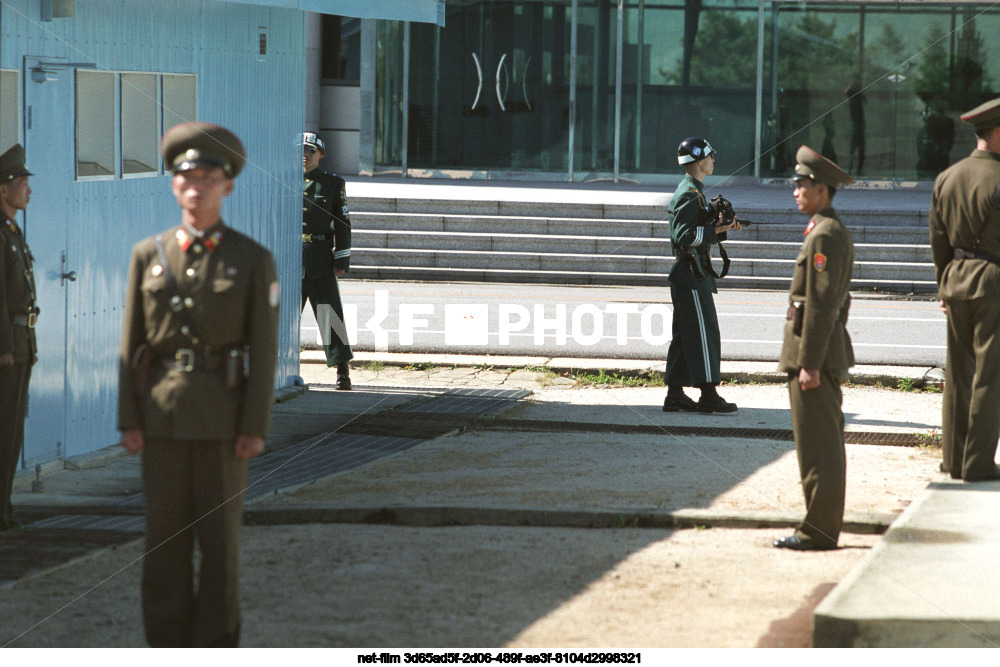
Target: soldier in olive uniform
18	313
965	243
198	354
695	351
817	352
326	253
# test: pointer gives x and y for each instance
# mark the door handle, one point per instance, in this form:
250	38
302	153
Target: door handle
506	80
66	275
479	73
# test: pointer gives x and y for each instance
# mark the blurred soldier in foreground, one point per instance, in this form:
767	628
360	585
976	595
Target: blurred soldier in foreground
817	351
198	354
965	242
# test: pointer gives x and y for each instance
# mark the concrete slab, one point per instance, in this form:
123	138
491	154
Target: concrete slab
930	582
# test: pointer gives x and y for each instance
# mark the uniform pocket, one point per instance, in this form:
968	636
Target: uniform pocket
226	307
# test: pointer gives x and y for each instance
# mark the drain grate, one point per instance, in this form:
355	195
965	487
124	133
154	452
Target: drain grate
781	435
437	415
127	524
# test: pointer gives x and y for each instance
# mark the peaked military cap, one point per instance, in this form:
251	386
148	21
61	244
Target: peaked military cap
984	117
313	139
12	164
810	164
191	145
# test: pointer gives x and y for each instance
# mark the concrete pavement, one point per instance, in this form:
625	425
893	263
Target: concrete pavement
460	442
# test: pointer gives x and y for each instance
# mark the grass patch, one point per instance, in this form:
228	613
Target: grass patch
422	366
929	440
373	366
604	379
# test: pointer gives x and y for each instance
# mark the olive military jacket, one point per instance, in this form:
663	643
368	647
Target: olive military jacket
324	212
965	214
690	230
17	295
820	283
228	286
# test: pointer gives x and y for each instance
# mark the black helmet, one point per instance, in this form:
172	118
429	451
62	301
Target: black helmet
693	149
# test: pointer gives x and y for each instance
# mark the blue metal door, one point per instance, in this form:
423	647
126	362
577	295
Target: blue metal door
48	119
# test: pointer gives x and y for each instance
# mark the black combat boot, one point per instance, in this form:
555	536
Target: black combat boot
343	377
678	401
710	400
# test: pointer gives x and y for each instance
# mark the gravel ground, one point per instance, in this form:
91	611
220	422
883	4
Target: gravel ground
384	586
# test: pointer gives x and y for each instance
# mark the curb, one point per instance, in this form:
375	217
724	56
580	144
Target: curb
732	371
258	515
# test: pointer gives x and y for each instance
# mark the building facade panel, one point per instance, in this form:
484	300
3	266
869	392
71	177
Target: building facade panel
87	223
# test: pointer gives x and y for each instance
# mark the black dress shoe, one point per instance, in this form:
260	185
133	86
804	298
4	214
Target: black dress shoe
796	543
988	478
954	475
715	403
679	403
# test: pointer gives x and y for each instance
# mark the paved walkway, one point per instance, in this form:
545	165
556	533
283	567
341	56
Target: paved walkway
511	463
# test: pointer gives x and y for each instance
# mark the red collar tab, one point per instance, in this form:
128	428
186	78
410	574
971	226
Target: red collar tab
186	240
12	226
809	227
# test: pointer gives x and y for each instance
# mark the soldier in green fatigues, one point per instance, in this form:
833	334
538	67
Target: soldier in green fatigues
965	243
18	314
817	352
694	355
198	353
326	253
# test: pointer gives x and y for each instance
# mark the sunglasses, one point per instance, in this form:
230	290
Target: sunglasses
310	150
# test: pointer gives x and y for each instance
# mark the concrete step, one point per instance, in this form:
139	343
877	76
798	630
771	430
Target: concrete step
617	211
656	267
550	277
931	581
612	245
612	237
792	233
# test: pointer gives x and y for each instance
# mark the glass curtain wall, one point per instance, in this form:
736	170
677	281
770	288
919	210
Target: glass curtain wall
879	88
599	88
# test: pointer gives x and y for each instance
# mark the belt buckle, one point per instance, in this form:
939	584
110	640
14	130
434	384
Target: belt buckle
307	238
184	360
32	320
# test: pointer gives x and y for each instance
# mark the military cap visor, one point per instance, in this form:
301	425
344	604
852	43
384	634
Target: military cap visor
984	117
810	164
12	164
193	145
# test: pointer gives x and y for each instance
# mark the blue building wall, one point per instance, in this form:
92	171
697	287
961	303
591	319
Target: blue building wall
94	223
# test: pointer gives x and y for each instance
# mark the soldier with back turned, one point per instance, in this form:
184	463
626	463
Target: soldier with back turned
965	243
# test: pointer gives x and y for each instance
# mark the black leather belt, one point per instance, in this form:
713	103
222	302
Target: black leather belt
965	253
28	320
309	238
187	360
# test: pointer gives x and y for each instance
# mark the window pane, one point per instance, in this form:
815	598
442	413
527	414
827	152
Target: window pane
180	94
139	123
9	109
95	124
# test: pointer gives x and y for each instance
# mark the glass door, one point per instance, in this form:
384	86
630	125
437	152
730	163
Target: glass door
492	90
